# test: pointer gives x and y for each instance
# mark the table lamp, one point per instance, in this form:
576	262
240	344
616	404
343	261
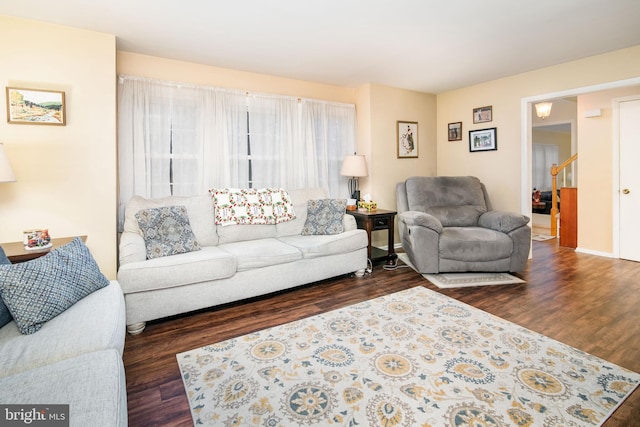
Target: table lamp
6	173
354	166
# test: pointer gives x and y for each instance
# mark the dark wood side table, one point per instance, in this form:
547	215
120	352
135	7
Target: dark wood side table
16	252
378	219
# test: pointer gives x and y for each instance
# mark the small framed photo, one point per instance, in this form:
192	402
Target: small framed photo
407	139
35	107
483	140
482	114
455	131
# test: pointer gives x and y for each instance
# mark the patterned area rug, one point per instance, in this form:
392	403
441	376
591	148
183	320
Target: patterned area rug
412	358
541	237
461	280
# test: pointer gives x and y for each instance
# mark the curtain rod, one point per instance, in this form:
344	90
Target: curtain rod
123	77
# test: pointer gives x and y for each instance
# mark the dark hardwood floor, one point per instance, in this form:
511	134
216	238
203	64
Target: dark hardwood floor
586	301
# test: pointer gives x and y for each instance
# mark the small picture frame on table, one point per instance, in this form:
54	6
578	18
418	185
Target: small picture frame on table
455	131
407	139
482	114
483	140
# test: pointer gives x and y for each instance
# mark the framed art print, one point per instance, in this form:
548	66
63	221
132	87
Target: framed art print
35	106
483	114
407	139
455	131
483	140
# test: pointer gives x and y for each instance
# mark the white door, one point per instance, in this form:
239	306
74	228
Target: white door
629	192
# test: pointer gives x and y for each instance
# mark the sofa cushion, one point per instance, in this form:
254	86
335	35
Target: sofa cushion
93	385
94	323
241	233
199	208
38	290
166	231
5	315
455	201
261	253
209	263
474	244
324	216
319	246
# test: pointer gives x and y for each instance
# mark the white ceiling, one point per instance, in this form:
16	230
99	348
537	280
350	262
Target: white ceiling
426	45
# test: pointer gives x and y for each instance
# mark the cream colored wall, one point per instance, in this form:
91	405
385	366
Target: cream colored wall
387	105
549	137
189	72
501	169
66	175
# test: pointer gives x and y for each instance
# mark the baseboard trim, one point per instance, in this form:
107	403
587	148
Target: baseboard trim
597	253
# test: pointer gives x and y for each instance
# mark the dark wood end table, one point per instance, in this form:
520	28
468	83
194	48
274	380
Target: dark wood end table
379	219
16	252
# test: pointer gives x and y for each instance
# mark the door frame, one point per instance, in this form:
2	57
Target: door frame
615	108
526	108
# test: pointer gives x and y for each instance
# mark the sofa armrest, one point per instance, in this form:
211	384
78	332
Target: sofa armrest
349	222
422	219
132	248
505	222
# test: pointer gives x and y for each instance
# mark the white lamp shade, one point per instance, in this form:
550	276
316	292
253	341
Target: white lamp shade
543	109
6	173
355	165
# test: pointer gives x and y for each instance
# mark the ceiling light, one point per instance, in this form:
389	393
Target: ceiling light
543	109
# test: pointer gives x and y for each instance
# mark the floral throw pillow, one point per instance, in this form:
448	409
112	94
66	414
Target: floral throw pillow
166	231
251	206
324	216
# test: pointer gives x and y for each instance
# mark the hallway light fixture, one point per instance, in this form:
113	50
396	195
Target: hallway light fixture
543	109
6	173
354	166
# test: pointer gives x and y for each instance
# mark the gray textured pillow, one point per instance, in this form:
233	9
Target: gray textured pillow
324	216
5	315
38	290
166	231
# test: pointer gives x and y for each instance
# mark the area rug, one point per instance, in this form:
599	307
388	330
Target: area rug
541	237
412	358
461	280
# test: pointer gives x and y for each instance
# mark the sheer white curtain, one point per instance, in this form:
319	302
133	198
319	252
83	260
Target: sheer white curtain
332	128
543	156
176	139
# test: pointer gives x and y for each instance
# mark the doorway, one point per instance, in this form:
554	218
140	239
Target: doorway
526	149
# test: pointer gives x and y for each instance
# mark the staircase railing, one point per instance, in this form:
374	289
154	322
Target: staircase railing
554	192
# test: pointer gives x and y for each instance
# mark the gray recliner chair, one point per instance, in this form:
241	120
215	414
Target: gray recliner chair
446	224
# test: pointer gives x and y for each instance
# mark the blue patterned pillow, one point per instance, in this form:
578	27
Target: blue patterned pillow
38	290
166	231
5	315
324	216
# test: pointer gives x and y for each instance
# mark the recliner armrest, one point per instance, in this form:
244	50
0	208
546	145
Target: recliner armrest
502	221
416	218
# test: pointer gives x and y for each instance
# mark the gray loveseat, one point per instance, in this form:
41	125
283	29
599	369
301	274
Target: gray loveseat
235	262
446	224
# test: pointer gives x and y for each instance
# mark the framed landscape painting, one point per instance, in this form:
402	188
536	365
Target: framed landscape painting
483	140
35	107
407	139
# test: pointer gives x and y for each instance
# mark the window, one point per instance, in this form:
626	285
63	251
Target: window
183	140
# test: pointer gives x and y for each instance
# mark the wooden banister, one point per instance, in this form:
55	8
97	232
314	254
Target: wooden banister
554	192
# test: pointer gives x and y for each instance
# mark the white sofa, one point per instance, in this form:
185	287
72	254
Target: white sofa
75	359
235	261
